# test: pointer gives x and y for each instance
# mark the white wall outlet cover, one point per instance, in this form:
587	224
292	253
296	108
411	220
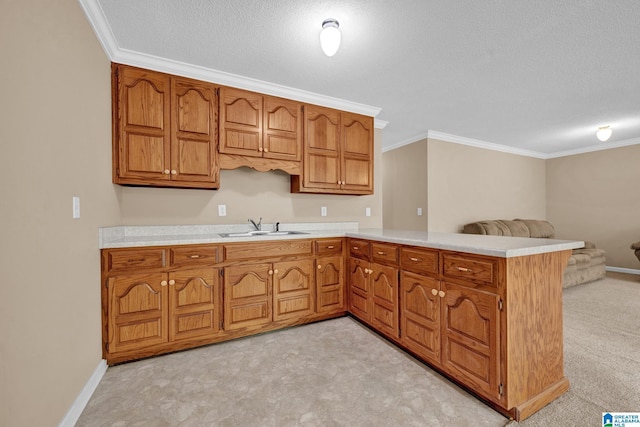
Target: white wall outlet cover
419	211
323	211
76	207
222	210
367	211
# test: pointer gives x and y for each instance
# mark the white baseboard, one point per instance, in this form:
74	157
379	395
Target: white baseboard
73	414
623	270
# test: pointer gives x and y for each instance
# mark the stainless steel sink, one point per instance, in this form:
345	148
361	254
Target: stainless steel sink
260	233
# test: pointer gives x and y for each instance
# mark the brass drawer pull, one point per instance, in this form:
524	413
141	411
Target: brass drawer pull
381	253
355	248
414	259
465	269
330	247
194	256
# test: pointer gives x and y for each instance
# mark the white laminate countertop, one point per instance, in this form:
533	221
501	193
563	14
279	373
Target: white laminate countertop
499	246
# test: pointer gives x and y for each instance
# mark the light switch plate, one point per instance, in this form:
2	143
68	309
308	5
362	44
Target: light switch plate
323	211
222	210
367	211
419	211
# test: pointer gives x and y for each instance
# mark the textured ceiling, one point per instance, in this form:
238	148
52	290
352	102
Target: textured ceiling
537	76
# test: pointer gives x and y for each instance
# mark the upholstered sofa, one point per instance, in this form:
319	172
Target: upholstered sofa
585	264
636	248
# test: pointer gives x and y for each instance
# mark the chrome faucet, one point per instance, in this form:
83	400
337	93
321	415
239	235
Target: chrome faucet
257	226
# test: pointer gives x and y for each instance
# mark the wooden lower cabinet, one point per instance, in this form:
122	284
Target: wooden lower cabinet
158	308
373	295
260	293
330	289
293	291
471	337
248	295
420	315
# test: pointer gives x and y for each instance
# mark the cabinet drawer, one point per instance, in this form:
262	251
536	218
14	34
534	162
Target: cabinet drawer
193	255
479	270
359	249
329	246
134	259
275	249
419	260
382	252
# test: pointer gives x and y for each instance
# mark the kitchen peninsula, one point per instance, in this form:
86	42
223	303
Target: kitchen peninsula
486	311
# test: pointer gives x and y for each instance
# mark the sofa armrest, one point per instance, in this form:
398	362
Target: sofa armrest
635	246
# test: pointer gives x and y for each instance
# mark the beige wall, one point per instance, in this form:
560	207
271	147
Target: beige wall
56	140
404	186
467	184
55	137
594	196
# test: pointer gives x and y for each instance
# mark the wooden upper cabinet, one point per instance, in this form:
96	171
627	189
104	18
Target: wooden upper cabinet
193	134
338	156
259	131
164	130
240	122
282	135
141	121
357	153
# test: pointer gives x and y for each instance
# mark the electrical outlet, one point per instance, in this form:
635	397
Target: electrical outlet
419	211
323	211
76	207
367	211
222	210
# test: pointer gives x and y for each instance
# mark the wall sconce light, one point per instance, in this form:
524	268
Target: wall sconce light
330	37
604	133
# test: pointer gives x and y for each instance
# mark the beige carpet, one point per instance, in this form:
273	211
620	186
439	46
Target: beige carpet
338	373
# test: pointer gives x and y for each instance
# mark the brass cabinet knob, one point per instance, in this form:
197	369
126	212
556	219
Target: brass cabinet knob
174	172
167	172
172	282
275	271
434	291
319	267
260	149
266	150
270	272
163	283
441	293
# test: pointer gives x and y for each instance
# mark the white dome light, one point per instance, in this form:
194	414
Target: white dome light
604	133
330	37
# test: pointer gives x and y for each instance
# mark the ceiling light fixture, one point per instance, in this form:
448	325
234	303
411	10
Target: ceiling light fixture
330	37
604	133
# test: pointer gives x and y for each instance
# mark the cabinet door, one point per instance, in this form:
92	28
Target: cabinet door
293	289
321	168
194	131
194	301
471	337
282	129
330	284
141	125
384	299
138	309
247	295
357	153
240	122
420	314
359	293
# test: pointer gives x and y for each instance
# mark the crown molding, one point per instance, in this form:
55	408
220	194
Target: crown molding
101	27
407	141
484	144
599	147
